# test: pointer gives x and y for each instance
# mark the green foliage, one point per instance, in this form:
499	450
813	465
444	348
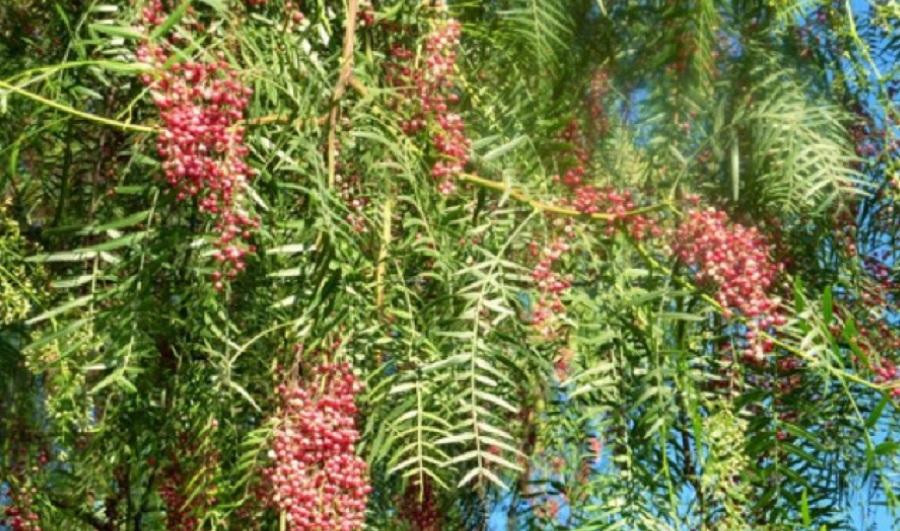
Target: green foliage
120	361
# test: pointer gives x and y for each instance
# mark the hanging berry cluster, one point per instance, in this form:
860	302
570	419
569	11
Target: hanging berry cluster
887	373
435	92
317	479
186	487
20	484
178	516
349	191
18	515
588	199
202	143
734	261
293	13
550	285
418	506
596	93
403	78
293	16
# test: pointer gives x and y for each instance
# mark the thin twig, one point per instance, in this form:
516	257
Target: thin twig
383	252
280	119
341	87
75	112
515	193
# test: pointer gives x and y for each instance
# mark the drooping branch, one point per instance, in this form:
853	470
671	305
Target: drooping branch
550	208
127	126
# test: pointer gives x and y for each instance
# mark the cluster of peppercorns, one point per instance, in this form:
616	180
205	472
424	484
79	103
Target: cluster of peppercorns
348	189
403	78
549	283
316	477
178	516
293	12
18	515
437	92
875	337
588	199
734	261
182	506
21	519
154	13
597	92
618	205
563	362
886	372
579	157
202	142
366	14
434	91
419	507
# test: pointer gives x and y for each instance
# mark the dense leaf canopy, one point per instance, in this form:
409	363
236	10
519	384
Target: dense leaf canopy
530	264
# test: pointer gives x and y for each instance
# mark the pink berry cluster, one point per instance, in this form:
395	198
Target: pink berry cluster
435	92
874	337
617	204
563	363
588	199
23	472
348	188
178	516
734	261
202	143
549	283
573	177
182	506
154	12
18	515
366	14
887	372
419	507
597	91
316	477
400	75
293	12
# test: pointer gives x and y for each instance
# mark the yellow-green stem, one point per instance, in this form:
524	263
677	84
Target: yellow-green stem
75	112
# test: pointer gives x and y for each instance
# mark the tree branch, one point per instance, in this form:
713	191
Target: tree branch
341	87
520	195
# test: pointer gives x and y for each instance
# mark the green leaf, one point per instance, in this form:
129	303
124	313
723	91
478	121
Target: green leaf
70	305
499	151
118	31
804	508
173	18
873	417
735	168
